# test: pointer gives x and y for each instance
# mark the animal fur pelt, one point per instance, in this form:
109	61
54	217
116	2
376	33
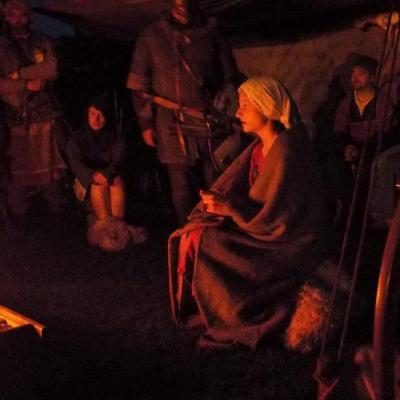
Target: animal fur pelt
114	234
306	329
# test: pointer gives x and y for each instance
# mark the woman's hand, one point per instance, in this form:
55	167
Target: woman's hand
215	203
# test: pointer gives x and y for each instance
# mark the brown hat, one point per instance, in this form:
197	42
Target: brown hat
365	62
17	4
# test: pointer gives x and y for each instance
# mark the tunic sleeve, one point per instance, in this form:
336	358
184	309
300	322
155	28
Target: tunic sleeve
384	114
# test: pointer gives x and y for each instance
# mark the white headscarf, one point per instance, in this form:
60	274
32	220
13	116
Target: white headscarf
272	99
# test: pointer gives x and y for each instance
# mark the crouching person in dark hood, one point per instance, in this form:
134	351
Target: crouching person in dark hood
96	154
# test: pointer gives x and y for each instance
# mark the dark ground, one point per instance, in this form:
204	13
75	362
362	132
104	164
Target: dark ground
109	333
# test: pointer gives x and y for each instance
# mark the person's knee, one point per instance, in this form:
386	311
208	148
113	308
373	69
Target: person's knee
119	183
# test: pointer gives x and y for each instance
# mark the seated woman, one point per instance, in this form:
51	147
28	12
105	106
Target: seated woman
257	234
96	154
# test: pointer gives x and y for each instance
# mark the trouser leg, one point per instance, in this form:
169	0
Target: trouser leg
181	191
118	198
53	193
100	199
18	199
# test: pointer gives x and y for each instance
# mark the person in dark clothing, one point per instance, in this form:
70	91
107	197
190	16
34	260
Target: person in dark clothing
361	116
96	154
384	195
28	65
181	59
366	103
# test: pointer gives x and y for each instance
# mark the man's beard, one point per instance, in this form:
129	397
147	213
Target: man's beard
19	30
358	86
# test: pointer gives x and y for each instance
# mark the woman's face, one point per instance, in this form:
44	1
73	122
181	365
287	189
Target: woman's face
96	119
251	118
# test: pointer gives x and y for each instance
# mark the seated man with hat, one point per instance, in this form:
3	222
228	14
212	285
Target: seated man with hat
362	114
364	104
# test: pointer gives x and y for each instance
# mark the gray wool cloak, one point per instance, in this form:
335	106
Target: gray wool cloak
249	265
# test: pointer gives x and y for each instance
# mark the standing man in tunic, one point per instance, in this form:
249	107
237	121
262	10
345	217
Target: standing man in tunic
27	67
181	59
